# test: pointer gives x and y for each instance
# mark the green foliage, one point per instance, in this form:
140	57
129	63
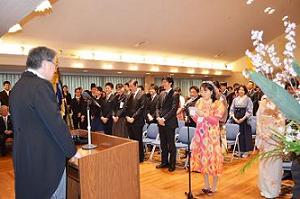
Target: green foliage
287	104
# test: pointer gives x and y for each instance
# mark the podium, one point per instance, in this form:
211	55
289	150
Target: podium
107	172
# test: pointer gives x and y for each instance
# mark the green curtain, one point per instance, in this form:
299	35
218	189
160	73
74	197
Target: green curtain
12	77
183	83
73	81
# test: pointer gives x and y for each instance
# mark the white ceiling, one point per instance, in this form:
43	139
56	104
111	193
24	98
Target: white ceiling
13	11
196	28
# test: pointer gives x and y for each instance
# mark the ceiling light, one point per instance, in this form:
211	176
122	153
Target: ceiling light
191	71
132	58
107	66
205	72
171	74
147	73
174	70
134	67
15	28
174	62
43	6
218	73
155	68
77	65
119	72
154	60
249	2
107	56
269	10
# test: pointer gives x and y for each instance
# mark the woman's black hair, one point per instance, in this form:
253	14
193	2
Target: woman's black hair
211	88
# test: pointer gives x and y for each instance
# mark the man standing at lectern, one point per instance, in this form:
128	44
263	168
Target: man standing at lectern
42	142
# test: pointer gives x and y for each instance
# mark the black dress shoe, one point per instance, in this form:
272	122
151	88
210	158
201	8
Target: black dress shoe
172	168
162	166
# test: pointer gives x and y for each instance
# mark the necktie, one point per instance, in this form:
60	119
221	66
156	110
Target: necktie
5	122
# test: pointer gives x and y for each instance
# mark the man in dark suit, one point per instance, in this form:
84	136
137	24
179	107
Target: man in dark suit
166	118
107	107
194	96
135	110
42	141
78	107
5	129
151	105
4	95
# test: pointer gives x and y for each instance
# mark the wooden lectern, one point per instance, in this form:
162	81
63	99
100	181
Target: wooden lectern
107	172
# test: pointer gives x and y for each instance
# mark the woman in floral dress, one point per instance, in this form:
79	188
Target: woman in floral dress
206	156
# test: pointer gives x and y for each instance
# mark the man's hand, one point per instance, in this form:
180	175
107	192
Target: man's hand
115	119
104	119
8	132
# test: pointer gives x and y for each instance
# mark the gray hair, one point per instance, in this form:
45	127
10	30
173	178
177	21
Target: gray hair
37	55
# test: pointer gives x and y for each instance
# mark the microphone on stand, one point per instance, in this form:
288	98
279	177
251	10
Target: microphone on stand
87	97
89	100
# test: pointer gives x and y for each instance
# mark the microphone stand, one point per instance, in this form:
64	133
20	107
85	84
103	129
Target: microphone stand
89	146
189	194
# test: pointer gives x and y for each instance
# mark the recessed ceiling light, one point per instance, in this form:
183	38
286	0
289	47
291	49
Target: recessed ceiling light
119	72
172	74
147	73
17	27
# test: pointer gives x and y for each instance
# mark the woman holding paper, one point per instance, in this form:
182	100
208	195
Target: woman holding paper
206	156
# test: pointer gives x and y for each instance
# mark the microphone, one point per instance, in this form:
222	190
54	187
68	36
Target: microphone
87	97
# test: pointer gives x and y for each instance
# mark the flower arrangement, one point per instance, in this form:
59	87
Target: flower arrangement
271	75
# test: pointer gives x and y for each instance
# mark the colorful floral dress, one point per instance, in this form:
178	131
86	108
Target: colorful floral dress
206	154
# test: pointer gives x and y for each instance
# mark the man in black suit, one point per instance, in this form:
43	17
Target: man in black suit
4	95
107	107
78	107
151	105
135	110
166	118
42	141
194	96
5	129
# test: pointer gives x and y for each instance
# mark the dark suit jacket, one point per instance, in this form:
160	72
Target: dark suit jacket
78	107
2	125
135	107
190	103
42	142
107	106
119	106
167	107
4	98
151	108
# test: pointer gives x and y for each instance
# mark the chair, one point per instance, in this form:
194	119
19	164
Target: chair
145	127
183	140
252	123
181	123
232	137
151	135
